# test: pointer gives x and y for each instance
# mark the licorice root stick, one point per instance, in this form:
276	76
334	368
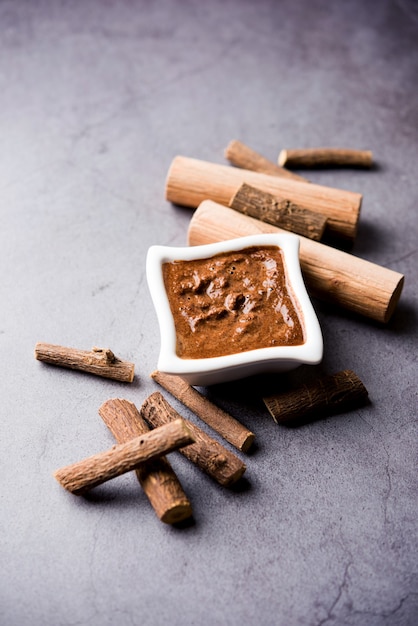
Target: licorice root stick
157	477
242	156
223	423
351	282
209	455
325	157
99	361
278	211
325	396
123	457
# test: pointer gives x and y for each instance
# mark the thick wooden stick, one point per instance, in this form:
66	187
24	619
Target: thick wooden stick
157	477
326	396
223	423
190	181
99	361
242	156
330	274
278	211
325	157
209	455
123	457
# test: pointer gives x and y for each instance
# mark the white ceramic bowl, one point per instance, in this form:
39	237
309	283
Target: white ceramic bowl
208	371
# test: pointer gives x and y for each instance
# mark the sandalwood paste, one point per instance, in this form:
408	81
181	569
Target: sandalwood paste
231	302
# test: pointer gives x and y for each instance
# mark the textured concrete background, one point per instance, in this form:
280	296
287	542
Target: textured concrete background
96	99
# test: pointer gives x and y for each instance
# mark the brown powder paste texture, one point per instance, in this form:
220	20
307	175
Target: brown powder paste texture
232	302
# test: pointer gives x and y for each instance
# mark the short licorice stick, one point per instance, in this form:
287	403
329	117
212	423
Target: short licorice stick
99	361
321	398
123	457
242	156
223	423
157	477
325	157
209	455
278	211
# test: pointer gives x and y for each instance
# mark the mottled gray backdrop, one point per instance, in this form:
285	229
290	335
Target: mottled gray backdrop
96	98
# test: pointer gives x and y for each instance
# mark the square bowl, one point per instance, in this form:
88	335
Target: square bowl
225	367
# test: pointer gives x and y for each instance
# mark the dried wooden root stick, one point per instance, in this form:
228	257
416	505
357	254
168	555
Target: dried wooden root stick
325	157
278	211
242	156
99	361
223	423
156	477
215	460
124	457
326	396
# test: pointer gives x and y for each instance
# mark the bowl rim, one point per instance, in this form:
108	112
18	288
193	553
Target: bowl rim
310	352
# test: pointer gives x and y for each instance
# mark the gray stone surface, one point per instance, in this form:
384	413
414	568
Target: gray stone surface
96	99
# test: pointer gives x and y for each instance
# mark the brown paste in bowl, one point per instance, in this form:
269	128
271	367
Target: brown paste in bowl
231	302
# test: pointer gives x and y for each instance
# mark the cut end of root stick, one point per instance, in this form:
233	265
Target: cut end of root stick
394	300
248	442
177	513
282	158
